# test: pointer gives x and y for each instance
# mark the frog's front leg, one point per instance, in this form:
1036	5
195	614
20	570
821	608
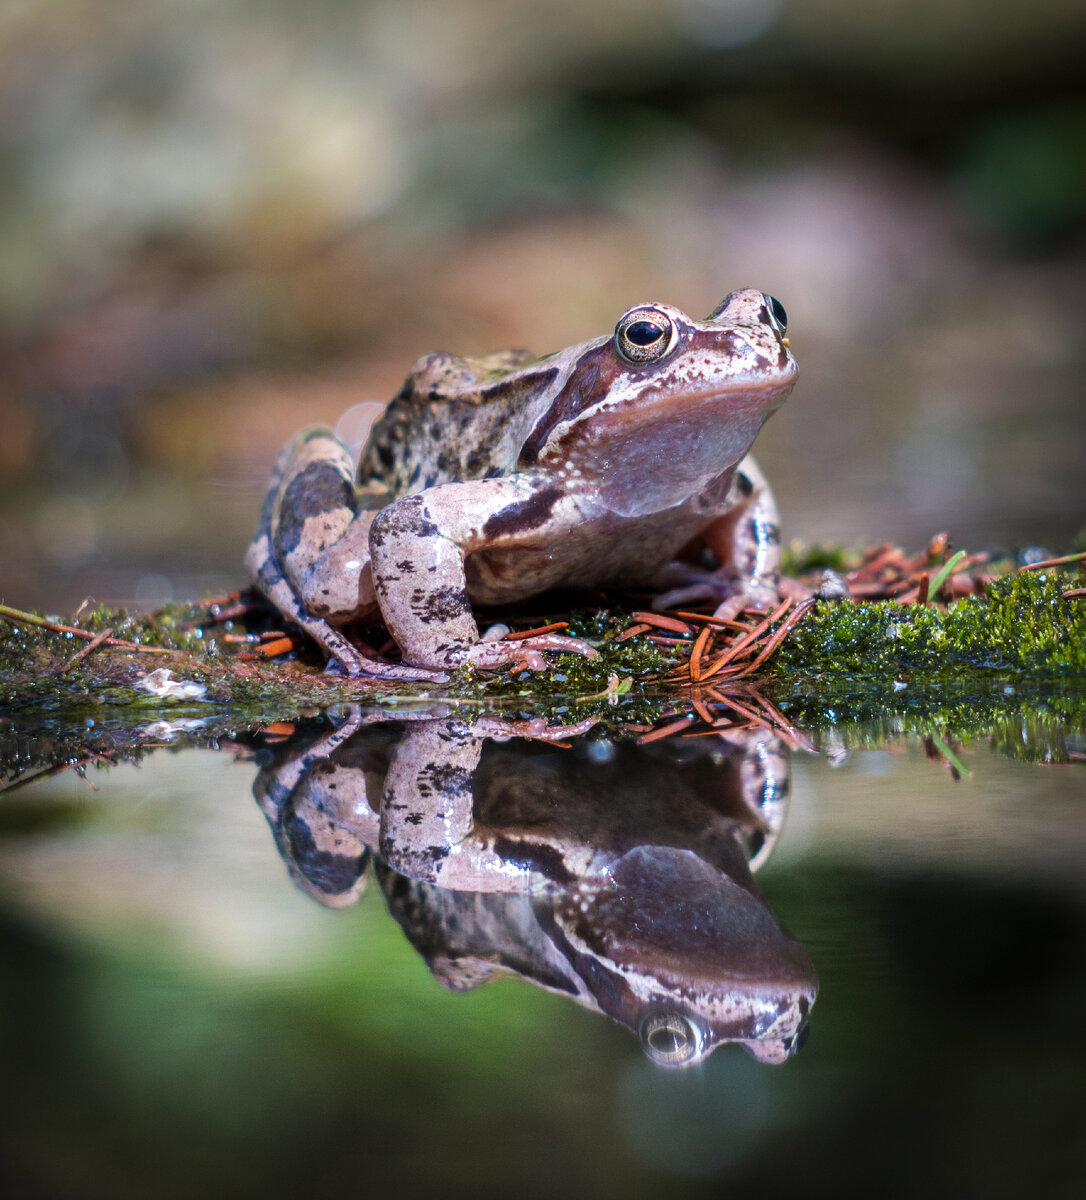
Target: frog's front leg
310	556
418	546
746	541
426	808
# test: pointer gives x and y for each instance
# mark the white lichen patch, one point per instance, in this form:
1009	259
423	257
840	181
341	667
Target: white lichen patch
159	683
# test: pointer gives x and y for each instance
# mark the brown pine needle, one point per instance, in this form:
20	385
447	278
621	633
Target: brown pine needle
1054	562
698	651
25	618
794	618
795	739
663	731
269	650
750	713
89	648
706	619
662	622
737	648
881	557
520	635
633	631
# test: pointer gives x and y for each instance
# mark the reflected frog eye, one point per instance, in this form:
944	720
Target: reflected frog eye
778	317
644	335
669	1039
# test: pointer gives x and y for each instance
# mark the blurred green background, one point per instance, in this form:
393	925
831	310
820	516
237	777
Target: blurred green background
219	221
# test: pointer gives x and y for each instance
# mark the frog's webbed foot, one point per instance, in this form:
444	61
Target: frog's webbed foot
498	729
487	655
271	580
355	664
732	595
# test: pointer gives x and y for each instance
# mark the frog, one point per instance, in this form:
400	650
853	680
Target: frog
616	874
490	480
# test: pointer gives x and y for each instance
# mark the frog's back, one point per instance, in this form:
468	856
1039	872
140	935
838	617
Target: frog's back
454	419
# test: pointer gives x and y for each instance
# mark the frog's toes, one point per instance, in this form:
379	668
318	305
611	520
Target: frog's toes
488	655
732	595
499	729
348	660
748	599
558	642
678	597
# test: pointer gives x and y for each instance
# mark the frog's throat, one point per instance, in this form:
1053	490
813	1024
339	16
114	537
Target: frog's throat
640	462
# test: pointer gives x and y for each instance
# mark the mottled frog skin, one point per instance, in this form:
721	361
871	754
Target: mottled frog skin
490	480
615	874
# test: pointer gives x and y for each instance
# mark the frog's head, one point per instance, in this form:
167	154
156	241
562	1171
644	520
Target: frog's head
667	404
689	957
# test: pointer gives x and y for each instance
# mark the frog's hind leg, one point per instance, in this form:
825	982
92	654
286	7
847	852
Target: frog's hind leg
319	536
310	556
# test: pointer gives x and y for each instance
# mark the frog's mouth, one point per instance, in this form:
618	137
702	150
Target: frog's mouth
652	455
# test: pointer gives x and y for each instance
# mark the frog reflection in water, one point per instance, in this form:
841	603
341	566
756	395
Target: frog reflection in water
491	480
615	874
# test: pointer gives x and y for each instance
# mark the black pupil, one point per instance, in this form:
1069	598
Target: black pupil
668	1041
778	311
644	333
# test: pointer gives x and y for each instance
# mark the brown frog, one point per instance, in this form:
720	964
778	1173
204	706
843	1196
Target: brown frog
490	480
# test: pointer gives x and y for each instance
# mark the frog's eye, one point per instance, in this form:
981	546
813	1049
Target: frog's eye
669	1039
778	318
644	335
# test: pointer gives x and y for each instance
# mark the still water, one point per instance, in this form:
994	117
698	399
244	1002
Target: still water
411	959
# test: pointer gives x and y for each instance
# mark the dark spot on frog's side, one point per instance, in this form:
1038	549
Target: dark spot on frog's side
444	604
320	488
407	517
333	874
443	779
537	857
524	515
421	864
406	566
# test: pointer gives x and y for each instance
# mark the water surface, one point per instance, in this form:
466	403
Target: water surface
185	1011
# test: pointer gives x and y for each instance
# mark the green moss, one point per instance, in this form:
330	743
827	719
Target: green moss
1037	721
1011	666
575	687
1023	625
104	689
